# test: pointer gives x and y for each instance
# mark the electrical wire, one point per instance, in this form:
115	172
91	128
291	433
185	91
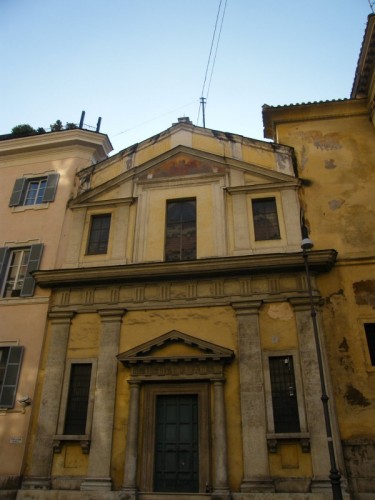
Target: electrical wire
217	45
156	117
203	96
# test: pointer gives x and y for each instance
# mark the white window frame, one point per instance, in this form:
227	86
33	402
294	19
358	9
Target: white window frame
37	197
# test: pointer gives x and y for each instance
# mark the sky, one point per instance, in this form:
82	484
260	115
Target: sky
141	64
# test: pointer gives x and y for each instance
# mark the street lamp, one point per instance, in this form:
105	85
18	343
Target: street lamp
334	475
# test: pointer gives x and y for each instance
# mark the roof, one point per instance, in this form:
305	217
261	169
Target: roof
366	62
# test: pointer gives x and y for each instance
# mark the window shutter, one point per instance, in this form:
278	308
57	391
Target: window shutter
4	252
12	372
34	260
18	192
50	191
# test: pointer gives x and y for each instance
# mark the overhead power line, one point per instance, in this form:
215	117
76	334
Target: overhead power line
212	60
156	117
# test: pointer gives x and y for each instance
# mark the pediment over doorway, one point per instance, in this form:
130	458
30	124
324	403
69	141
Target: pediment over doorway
175	347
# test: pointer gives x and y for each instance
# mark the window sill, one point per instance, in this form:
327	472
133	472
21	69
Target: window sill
36	206
273	440
59	439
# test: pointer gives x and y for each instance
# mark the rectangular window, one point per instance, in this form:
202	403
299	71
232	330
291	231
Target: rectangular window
34	190
284	396
99	234
181	231
16	264
370	337
10	364
266	223
78	399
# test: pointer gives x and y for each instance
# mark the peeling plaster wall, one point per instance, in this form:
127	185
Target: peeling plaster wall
335	160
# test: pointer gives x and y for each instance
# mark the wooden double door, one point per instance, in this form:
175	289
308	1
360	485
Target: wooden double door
176	437
176	458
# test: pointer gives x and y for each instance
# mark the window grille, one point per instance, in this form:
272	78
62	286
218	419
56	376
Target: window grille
78	399
284	396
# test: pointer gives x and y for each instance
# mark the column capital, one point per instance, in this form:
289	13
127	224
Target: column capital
303	303
247	307
134	383
61	317
111	315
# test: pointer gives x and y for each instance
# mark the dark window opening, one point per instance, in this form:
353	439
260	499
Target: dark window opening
284	396
266	223
78	399
181	232
370	336
99	234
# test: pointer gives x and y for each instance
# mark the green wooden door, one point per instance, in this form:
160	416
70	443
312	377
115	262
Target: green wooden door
176	444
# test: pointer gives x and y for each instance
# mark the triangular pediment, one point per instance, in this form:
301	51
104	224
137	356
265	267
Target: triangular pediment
178	163
175	346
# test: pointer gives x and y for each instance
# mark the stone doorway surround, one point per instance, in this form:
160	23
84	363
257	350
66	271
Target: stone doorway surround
190	372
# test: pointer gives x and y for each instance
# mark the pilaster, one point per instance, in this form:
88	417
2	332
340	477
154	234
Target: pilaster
42	454
312	393
104	403
256	475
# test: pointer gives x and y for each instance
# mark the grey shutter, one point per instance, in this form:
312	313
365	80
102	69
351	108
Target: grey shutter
12	372
50	191
4	254
34	260
18	192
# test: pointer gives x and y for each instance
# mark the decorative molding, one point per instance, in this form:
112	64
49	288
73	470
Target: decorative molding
273	440
59	440
202	359
218	267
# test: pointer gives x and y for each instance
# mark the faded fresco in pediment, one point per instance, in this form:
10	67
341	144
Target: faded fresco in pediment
182	165
251	179
172	349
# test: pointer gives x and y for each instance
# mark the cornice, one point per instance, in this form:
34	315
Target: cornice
64	138
312	111
320	261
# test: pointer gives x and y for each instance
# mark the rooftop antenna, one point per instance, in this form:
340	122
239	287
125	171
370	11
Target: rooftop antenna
82	118
98	124
203	103
371	4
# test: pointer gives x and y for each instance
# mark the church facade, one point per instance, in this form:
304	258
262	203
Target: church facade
179	353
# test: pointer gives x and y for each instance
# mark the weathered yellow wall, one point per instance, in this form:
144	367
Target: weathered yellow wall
349	298
277	327
336	158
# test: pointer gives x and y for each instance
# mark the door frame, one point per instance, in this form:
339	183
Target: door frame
151	391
